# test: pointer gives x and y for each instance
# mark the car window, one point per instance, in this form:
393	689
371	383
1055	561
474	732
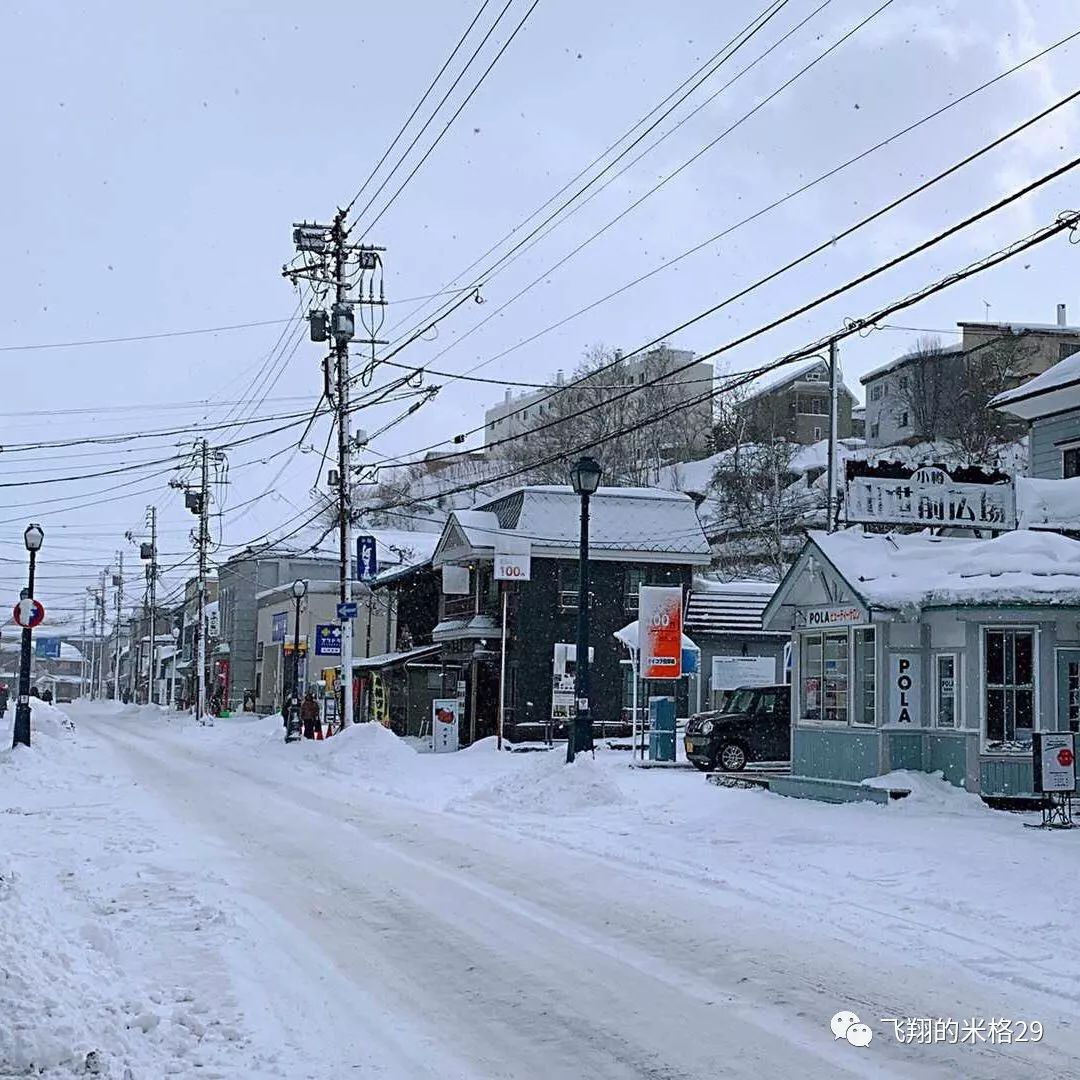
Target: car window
767	701
740	701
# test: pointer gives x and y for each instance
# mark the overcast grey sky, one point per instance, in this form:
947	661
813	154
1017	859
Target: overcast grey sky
157	155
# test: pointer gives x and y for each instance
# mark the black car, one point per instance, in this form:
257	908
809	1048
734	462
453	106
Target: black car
754	724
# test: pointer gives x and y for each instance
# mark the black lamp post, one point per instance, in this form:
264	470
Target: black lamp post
33	538
585	478
299	590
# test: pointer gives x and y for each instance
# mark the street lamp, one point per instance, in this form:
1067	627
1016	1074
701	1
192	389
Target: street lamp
585	479
299	591
33	538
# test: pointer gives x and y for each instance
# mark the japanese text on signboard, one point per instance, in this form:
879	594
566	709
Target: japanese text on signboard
929	497
660	631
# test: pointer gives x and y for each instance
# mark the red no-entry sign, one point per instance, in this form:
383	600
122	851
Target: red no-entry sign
29	613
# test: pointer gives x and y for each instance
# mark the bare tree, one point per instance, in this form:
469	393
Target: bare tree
925	388
947	393
633	434
758	507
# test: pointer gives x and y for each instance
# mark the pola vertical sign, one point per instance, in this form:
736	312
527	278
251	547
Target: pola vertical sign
660	631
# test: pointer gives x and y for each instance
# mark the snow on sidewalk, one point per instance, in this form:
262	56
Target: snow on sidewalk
111	957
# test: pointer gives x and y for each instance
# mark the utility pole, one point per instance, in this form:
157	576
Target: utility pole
201	542
834	392
197	500
82	652
118	581
330	261
149	552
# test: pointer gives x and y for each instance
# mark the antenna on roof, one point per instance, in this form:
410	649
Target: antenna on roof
986	304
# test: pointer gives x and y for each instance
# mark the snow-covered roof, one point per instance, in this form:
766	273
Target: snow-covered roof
726	607
647	523
906	358
794	374
628	636
894	571
385	660
1024	328
1055	389
1048	504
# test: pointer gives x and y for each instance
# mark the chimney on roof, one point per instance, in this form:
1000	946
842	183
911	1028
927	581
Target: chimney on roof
507	395
559	377
1061	315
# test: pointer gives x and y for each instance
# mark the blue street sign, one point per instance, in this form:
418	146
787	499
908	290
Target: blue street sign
327	640
367	560
47	647
346	610
279	626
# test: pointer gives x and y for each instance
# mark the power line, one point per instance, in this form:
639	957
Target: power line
1070	222
704	72
457	112
775	204
563	260
812	252
404	127
435	112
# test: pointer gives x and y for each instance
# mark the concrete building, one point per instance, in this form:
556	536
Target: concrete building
241	580
894	416
795	407
690	431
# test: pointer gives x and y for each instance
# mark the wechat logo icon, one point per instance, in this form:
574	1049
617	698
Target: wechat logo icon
846	1025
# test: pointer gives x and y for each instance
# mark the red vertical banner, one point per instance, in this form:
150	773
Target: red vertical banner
660	631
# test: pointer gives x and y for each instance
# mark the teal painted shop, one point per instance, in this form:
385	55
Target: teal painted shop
930	653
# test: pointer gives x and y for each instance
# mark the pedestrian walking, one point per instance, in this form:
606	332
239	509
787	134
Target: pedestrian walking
309	717
4	693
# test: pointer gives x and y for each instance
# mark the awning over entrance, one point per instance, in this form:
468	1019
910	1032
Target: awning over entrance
394	659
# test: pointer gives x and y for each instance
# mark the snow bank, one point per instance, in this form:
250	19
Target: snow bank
371	746
545	784
929	792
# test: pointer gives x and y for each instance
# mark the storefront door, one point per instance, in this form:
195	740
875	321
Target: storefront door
1068	689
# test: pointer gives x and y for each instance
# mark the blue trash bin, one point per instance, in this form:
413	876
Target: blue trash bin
661	729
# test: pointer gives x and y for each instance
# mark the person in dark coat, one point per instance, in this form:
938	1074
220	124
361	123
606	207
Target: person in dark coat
47	697
309	717
4	692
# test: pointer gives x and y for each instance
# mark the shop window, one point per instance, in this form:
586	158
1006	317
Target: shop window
817	433
865	676
1070	462
875	429
903	420
1009	686
946	712
824	673
434	679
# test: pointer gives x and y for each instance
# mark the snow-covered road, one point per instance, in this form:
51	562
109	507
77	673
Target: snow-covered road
530	926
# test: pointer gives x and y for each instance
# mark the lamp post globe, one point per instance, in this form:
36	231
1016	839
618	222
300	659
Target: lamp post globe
34	537
585	477
299	588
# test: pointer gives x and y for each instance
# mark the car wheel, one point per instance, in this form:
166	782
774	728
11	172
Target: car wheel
732	757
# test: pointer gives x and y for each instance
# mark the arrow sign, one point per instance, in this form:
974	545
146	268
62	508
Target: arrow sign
346	610
29	613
